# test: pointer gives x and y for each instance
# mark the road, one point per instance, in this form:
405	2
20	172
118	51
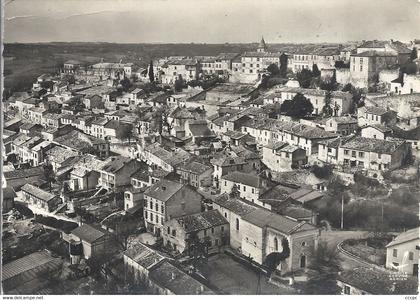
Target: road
334	237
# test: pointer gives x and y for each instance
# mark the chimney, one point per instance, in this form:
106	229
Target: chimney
173	276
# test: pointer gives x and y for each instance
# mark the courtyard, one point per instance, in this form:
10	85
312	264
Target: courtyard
232	277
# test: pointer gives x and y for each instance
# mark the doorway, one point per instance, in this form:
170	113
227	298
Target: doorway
303	261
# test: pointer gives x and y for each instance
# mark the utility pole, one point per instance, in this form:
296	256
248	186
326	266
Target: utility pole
342	212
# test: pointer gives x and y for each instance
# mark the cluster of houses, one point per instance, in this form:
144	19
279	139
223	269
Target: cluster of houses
221	167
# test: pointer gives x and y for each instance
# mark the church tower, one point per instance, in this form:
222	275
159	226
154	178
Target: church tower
262	47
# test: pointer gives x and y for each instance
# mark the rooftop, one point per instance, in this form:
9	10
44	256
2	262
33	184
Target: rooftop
37	260
409	235
379	282
265	218
233	204
170	277
89	232
143	255
37	192
194	167
244	178
163	190
201	221
372	145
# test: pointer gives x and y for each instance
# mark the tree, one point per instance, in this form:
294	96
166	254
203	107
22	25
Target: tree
125	132
356	95
179	84
304	77
283	65
324	172
273	259
298	107
151	74
413	54
328	110
326	263
234	193
126	84
12	158
315	70
49	174
273	69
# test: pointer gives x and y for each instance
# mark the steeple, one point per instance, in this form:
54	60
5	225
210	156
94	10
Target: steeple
262	47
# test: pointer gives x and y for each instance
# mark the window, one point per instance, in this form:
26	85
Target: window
252	190
162	209
237	224
205	232
244	188
212	230
151	204
346	290
157	219
353	154
329	150
173	232
161	221
169	230
156	207
225	216
276	244
303	244
145	215
410	255
361	154
395	253
222	229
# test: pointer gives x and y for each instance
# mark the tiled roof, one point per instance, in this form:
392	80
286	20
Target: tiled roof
59	154
143	255
409	235
244	178
163	190
372	145
378	282
194	167
265	218
89	232
37	260
235	205
37	192
201	221
376	110
170	277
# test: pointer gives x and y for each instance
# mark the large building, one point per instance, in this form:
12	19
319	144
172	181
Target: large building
254	64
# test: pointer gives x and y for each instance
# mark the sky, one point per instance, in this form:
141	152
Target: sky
210	21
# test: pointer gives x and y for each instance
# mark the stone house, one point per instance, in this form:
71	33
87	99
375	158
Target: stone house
280	156
209	227
42	199
165	200
403	253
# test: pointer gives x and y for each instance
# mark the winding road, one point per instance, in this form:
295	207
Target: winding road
335	237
